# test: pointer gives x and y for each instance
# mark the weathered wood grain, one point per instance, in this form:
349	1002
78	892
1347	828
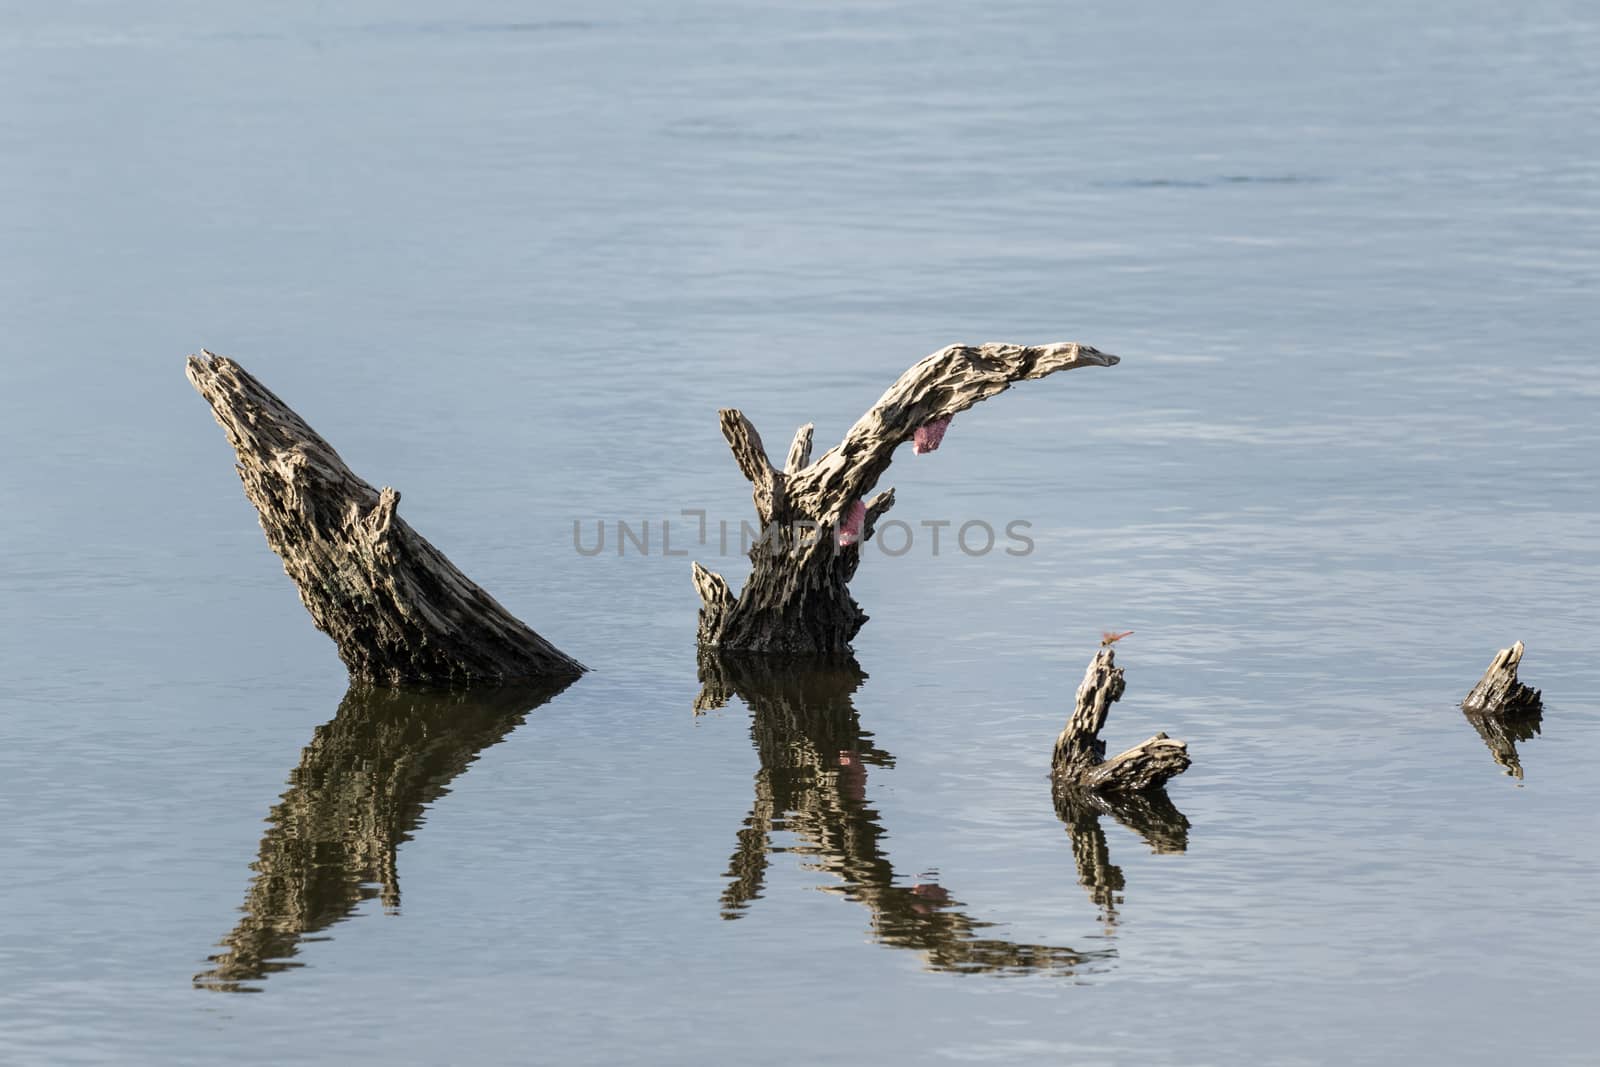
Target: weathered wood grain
797	599
397	609
1499	690
1079	760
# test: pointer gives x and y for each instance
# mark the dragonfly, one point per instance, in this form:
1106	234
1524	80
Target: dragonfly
1109	637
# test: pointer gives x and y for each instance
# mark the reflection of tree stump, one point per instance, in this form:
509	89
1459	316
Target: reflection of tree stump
1502	732
397	609
812	784
1151	815
1079	761
1498	691
797	598
359	791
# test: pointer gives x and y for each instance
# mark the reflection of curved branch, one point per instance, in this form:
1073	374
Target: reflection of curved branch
1151	815
812	784
359	791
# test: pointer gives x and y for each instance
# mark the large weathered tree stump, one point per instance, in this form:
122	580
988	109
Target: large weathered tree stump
397	609
817	516
358	793
1499	691
1503	710
811	789
1079	761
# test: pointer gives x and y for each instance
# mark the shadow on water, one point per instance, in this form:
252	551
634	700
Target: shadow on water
1152	816
1502	730
812	784
359	791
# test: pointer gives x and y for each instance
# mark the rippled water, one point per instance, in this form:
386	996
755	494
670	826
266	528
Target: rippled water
511	260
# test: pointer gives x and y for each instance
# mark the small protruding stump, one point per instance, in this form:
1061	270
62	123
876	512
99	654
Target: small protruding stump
1080	760
1499	691
398	610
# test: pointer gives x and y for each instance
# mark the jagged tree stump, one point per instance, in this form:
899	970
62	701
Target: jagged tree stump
1080	760
1499	691
397	609
797	599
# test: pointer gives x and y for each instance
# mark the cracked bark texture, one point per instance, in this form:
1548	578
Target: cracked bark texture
1079	760
397	609
1499	691
359	792
811	800
797	598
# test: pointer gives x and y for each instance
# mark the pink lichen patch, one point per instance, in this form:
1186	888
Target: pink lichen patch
929	434
850	525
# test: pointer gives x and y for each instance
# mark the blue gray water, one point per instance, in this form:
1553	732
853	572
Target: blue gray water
510	258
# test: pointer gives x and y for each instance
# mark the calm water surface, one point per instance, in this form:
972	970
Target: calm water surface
510	259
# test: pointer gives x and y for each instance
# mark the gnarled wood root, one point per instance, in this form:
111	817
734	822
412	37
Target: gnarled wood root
1079	760
797	599
397	609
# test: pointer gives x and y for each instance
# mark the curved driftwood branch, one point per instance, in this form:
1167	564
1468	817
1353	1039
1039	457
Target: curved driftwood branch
1079	760
797	598
1499	690
397	609
812	786
358	793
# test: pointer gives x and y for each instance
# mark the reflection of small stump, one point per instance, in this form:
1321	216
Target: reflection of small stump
1151	815
1498	691
1503	710
1079	760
